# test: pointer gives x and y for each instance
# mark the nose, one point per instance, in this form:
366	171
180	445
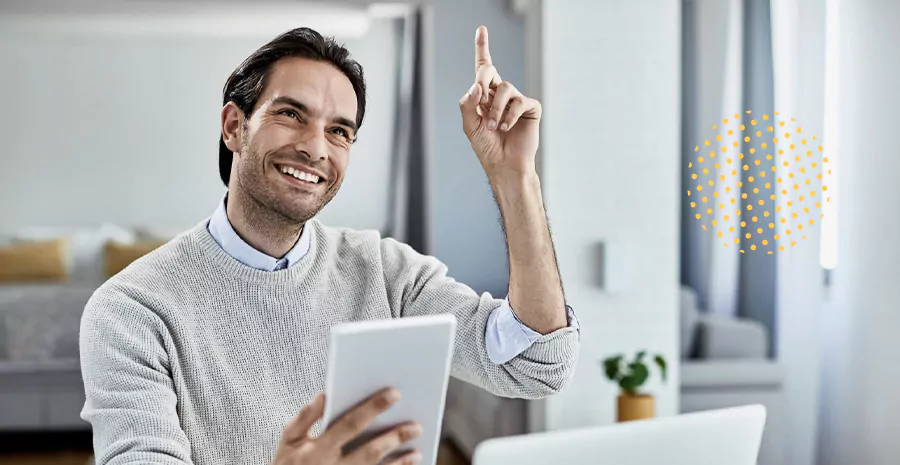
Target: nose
314	144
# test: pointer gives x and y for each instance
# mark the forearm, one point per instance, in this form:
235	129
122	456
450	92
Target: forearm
535	287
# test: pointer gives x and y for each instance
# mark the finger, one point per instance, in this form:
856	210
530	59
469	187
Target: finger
517	106
379	447
298	428
354	422
407	458
488	78
482	51
468	106
505	92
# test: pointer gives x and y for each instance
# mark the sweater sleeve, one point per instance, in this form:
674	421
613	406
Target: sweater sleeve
130	401
419	285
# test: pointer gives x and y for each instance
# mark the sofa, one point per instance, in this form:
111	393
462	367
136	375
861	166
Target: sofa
723	364
41	388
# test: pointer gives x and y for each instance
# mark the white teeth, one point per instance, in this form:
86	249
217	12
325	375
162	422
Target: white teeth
300	174
314	178
284	169
291	170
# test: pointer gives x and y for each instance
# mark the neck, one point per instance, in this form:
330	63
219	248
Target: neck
260	227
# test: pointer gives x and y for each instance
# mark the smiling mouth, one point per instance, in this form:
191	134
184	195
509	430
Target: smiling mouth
299	175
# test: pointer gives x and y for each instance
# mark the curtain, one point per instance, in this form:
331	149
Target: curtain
408	211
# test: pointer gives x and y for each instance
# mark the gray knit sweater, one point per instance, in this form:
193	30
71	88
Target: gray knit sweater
189	356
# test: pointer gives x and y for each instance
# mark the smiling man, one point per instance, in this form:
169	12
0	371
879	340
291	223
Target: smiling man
212	349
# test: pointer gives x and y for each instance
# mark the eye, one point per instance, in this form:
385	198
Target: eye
341	132
289	113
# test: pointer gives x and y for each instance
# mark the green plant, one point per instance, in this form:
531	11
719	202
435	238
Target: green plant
632	375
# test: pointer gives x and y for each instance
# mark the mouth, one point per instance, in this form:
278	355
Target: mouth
299	176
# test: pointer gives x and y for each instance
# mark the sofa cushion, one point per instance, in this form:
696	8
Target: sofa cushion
689	317
33	261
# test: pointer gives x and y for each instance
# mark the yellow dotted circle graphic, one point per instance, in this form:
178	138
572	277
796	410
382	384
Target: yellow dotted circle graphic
782	149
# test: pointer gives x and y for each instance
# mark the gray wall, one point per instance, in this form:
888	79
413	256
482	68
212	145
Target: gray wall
466	228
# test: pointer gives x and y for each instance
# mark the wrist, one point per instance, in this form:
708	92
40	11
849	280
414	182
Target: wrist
508	180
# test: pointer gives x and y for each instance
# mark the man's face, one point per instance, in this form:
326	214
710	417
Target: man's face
295	146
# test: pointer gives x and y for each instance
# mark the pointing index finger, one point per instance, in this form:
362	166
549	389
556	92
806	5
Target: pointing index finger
482	53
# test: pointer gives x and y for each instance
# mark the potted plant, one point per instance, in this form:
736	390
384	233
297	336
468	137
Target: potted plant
630	376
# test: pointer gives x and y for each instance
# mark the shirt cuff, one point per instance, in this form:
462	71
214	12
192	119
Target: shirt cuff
506	336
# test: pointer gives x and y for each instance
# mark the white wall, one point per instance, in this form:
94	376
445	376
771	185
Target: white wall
124	127
610	151
861	413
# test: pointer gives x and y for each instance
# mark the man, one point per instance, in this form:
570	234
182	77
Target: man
204	350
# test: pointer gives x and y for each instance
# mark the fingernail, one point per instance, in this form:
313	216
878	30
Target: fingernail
393	395
492	124
504	127
473	90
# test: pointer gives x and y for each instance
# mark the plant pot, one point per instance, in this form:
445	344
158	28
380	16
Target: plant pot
635	407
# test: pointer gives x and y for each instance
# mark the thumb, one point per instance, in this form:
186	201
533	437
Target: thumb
299	426
468	106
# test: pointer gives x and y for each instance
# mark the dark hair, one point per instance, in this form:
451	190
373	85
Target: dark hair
248	81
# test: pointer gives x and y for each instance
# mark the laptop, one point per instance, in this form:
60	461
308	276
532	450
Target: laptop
729	436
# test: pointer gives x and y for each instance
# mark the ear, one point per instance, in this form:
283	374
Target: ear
232	125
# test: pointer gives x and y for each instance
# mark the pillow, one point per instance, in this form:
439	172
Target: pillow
118	256
86	247
33	261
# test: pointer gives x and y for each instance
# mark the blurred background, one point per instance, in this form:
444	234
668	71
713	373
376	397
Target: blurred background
110	135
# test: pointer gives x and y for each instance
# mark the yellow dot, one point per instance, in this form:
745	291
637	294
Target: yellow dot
742	250
796	186
717	166
785	164
728	161
781	248
775	140
825	160
748	235
792	146
689	193
783	220
736	240
805	209
758	133
790	175
721	205
706	143
725	121
696	148
781	123
737	212
741	156
709	211
769	252
758	230
750	179
749	207
765	117
694	176
773	169
770	128
794	215
788	232
727	188
753	122
799	130
776	237
824	188
690	164
732	201
747	139
698	216
752	150
814	164
768	185
710	182
714	222
756	162
719	137
722	177
740	184
754	219
812	193
803	141
812	221
802	170
734	144
780	152
703	226
783	191
756	190
724	149
820	148
699	187
793	243
730	132
769	156
743	224
742	127
693	204
700	159
727	217
703	200
715	126
790	204
762	174
763	145
772	226
800	226
705	170
748	112
731	229
752	247
797	158
761	202
765	242
818	205
746	167
720	235
744	195
801	198
787	135
766	214
778	208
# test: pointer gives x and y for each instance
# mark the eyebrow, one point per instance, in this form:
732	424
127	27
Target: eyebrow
284	100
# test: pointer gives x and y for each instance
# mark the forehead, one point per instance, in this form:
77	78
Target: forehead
319	85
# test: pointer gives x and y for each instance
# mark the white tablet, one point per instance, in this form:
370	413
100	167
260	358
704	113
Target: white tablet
411	354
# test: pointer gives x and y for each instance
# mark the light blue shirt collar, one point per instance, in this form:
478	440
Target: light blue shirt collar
221	230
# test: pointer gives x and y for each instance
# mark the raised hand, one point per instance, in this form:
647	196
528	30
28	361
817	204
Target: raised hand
502	124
